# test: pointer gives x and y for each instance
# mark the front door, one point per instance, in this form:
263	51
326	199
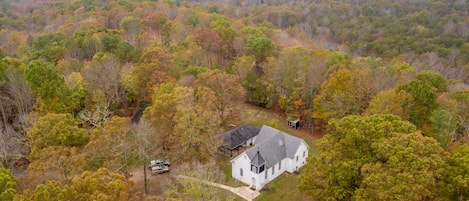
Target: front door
253	183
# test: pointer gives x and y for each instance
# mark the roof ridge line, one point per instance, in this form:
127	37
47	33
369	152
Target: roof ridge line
268	138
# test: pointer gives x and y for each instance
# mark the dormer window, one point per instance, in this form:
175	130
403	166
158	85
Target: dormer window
253	168
256	169
257	163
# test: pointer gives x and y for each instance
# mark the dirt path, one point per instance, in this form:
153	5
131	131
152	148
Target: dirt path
245	192
157	184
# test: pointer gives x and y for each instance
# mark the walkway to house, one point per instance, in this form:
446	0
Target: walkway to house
245	192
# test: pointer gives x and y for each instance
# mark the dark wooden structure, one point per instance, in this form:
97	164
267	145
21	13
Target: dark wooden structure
237	138
294	123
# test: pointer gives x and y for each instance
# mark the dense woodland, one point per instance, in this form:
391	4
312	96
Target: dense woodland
89	88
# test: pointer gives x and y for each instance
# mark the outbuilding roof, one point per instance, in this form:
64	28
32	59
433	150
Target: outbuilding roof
239	135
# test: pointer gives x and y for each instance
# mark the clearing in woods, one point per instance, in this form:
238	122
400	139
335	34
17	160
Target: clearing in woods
161	183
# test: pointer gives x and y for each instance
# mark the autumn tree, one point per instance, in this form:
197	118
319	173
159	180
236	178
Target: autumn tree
226	89
152	20
85	43
391	102
250	31
154	68
102	80
258	91
162	111
50	190
197	127
457	104
102	185
143	142
243	66
335	99
418	182
7	185
49	47
293	74
210	42
192	20
424	101
456	175
374	158
260	47
76	91
443	127
109	146
55	141
51	88
16	102
56	130
131	27
227	34
47	84
97	115
56	163
186	120
99	185
433	79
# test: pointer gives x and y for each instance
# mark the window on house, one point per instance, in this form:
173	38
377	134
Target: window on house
273	169
297	158
261	169
241	171
266	175
304	154
279	165
254	169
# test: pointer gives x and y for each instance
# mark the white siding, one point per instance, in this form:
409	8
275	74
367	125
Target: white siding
289	165
302	148
241	161
271	176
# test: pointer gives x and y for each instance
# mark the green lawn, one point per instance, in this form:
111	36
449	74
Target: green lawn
283	187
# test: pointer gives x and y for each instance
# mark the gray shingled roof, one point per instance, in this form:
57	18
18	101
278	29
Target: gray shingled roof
273	146
257	160
239	135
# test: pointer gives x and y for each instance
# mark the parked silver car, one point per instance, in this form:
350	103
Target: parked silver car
165	162
159	166
159	169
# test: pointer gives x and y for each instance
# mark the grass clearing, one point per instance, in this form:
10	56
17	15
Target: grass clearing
283	187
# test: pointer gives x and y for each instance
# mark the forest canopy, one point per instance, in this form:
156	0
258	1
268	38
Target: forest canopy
91	88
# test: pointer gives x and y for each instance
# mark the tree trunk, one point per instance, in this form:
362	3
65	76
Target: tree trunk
145	177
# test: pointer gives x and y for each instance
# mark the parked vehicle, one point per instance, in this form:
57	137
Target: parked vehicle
159	169
159	166
165	162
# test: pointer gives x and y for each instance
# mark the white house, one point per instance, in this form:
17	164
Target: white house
274	152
